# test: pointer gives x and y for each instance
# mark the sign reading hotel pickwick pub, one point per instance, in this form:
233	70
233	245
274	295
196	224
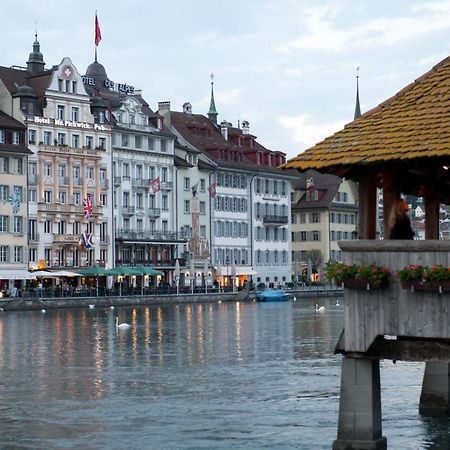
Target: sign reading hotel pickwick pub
68	123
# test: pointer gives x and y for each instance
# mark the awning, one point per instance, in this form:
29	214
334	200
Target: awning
16	274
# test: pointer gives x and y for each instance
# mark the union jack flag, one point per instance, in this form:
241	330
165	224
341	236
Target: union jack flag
87	207
86	239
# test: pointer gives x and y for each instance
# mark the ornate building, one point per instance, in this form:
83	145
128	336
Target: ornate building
69	172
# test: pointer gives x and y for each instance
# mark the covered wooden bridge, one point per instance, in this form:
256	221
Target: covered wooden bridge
403	147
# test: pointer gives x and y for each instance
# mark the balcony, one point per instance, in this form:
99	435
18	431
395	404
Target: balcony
104	184
150	236
140	183
166	185
63	180
117	181
128	210
150	262
66	238
66	208
154	212
275	220
76	181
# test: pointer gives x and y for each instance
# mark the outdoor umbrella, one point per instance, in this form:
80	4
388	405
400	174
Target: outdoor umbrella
44	274
177	275
192	270
96	271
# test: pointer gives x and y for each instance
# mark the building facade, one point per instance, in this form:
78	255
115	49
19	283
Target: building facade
69	172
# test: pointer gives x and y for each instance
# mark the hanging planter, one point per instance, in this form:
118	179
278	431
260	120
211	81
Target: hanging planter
425	279
365	283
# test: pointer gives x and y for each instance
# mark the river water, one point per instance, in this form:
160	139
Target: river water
222	375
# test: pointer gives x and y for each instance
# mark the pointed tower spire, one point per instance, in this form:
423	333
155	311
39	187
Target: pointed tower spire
212	113
35	63
357	107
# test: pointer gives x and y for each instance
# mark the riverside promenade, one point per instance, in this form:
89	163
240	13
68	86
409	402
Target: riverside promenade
51	302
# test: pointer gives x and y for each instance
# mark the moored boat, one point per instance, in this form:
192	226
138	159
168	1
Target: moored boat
272	295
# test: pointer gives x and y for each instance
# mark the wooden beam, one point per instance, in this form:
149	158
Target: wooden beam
368	206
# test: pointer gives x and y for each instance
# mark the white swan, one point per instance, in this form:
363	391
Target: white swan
294	298
321	309
91	306
43	311
337	303
1	309
111	307
121	326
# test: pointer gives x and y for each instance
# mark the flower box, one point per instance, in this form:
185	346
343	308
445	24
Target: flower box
364	283
427	286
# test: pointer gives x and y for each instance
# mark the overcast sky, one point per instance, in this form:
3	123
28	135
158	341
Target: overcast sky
286	66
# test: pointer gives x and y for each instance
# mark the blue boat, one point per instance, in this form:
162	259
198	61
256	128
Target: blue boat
272	295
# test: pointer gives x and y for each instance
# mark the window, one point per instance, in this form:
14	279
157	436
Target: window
4	193
4	224
61	138
104	199
18	165
164	146
75	140
164	203
47	138
76	198
2	136
187	206
126	170
126	199
32	136
75	111
187	183
47	196
15	138
138	141
150	143
32	195
63	197
89	141
202	185
90	173
124	140
139	201
202	208
314	218
4	164
32	254
4	253
62	228
316	235
18	225
102	143
48	227
60	112
164	174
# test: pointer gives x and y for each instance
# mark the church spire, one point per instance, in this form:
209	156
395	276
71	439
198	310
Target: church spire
357	107
212	113
35	63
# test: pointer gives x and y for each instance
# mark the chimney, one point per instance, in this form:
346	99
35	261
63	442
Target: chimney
164	111
245	127
224	129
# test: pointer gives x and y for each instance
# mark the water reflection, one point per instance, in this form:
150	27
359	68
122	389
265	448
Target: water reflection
242	375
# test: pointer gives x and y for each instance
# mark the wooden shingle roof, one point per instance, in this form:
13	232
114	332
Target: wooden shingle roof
413	124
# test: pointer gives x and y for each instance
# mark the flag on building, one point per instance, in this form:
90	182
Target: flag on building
212	190
156	185
98	33
87	207
86	240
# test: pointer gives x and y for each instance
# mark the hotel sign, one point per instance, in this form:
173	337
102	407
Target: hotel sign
69	123
118	87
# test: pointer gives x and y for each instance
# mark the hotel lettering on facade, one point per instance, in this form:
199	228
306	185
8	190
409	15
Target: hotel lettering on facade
107	181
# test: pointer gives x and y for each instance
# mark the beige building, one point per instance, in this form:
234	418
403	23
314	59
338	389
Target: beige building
13	204
323	212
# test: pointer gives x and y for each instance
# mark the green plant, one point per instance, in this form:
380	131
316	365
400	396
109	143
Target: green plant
339	271
374	274
436	273
413	272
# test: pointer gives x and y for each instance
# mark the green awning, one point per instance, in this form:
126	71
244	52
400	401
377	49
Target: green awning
144	270
124	271
94	272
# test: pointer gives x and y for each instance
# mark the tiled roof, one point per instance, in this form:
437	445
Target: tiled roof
7	121
412	124
199	131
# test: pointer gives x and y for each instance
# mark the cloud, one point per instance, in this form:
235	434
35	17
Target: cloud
307	131
321	33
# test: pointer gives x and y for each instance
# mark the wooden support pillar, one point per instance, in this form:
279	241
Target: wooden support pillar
360	406
435	396
432	204
390	194
368	207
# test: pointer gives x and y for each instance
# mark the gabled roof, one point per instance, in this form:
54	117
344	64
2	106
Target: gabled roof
412	124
